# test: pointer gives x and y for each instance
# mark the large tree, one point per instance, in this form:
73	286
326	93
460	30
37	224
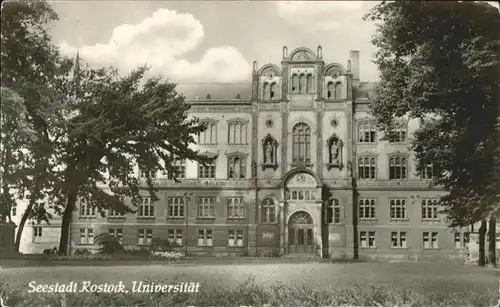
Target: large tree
33	73
439	62
114	124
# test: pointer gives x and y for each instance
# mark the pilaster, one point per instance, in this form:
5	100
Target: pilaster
282	215
284	137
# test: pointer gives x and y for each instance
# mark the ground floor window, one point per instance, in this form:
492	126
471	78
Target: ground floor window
175	236
367	239
398	239
37	234
117	233
205	237
145	236
430	239
235	238
86	236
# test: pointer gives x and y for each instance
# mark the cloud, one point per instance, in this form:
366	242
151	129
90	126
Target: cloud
322	15
162	41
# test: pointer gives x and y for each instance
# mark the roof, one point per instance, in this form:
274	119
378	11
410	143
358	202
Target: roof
217	91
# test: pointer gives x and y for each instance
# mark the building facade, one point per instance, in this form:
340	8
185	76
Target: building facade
298	167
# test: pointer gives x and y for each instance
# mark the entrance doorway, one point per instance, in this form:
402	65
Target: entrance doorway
300	233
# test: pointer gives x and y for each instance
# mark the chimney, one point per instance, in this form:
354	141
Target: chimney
320	52
285	52
354	58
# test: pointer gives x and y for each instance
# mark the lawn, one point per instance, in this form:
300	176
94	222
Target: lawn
438	278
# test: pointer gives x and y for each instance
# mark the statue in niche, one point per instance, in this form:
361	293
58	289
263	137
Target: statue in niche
236	171
334	152
269	152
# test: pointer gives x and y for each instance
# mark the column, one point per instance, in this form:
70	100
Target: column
282	228
319	228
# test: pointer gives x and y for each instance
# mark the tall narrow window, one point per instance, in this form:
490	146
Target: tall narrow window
302	84
235	207
37	234
339	90
333	212
398	168
309	82
367	132
266	91
295	83
86	210
209	136
330	94
268	214
301	150
274	91
237	132
236	167
366	168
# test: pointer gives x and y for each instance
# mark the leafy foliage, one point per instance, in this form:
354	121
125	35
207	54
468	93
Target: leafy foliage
439	62
109	244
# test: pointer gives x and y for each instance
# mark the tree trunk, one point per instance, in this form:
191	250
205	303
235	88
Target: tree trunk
66	223
492	261
482	236
24	218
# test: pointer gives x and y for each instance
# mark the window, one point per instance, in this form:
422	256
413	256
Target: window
430	239
309	83
366	168
427	173
205	237
330	90
236	167
114	213
295	83
302	84
117	233
367	239
366	209
268	214
175	207
237	133
13	209
235	207
297	194
397	168
235	238
209	136
265	91
398	133
367	132
146	207
398	209
180	165
86	210
338	90
274	88
37	234
333	212
142	174
207	171
206	207
430	210
461	240
398	239
86	236
301	150
175	236
145	236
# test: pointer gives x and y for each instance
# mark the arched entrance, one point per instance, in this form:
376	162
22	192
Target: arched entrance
301	233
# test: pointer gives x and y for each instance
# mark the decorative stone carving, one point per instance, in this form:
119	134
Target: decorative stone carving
270	150
302	179
335	146
301	217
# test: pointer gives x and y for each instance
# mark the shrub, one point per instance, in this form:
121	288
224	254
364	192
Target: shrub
109	244
175	256
162	245
82	252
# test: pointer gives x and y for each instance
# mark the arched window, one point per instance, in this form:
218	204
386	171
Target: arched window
302	84
237	133
295	83
209	136
366	168
397	167
301	150
333	212
268	211
338	90
309	83
265	91
273	91
236	167
331	90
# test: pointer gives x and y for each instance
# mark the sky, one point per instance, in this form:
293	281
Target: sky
211	41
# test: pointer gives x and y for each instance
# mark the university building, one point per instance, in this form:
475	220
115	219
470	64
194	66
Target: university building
297	167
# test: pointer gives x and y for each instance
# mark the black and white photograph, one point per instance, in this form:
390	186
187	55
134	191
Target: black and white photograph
250	153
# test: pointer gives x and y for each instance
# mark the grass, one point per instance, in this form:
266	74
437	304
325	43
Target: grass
271	284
